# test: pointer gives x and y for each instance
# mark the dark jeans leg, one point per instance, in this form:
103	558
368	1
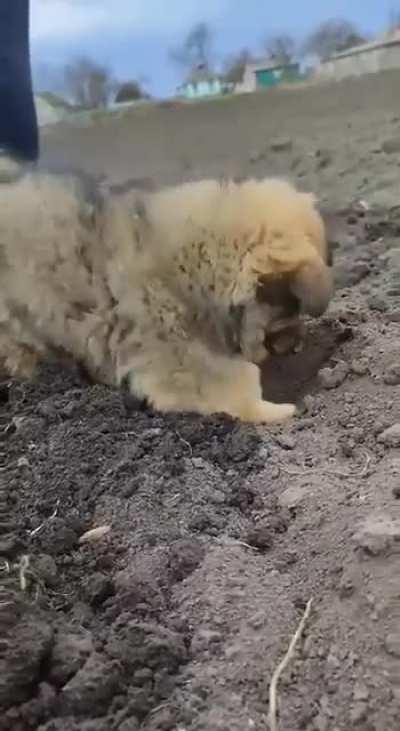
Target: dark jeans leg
18	121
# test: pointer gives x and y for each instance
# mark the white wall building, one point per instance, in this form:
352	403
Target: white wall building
369	58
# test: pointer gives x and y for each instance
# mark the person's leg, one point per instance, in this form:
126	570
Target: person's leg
18	121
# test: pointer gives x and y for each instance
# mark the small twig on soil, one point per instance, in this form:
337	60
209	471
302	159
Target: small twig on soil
5	566
352	475
26	571
189	446
234	542
23	568
335	473
48	520
272	716
166	704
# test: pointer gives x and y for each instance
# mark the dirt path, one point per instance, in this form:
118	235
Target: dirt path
341	141
175	619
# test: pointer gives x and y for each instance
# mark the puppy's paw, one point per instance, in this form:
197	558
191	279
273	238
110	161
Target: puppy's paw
131	401
255	352
21	363
288	340
252	336
265	412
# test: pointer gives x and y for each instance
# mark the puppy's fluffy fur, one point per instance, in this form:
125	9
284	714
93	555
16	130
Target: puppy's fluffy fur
164	293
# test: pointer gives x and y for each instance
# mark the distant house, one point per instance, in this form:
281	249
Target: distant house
266	73
379	55
202	83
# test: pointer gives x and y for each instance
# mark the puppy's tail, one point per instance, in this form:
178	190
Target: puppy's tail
313	286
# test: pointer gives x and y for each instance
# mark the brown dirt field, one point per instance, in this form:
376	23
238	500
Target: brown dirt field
220	534
335	134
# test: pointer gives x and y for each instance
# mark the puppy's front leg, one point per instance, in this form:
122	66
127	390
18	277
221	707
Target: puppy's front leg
17	357
255	320
186	376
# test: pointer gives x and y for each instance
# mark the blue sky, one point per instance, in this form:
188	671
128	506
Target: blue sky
133	37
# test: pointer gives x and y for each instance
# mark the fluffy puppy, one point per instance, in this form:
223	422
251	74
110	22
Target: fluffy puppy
293	231
274	324
154	293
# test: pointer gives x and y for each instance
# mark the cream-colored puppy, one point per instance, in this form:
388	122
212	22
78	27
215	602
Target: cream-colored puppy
156	294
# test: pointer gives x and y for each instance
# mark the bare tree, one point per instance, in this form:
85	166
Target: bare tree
88	83
196	49
235	65
394	20
281	47
333	36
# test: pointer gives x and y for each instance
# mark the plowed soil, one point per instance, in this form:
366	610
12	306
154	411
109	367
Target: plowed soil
216	535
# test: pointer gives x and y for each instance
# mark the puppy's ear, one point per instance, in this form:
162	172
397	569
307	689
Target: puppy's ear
313	286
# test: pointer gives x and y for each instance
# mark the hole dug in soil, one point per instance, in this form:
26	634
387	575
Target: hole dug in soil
288	378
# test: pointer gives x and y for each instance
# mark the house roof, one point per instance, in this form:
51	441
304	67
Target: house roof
199	74
268	64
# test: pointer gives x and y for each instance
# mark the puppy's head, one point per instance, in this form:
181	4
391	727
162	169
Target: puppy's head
289	248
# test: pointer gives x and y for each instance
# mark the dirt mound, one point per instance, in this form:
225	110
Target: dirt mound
93	617
216	536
